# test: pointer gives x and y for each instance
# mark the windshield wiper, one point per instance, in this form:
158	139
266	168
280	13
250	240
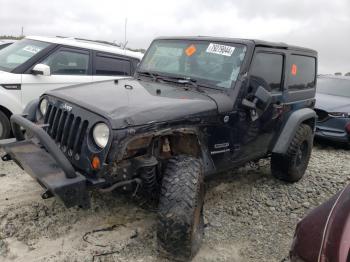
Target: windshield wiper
181	80
187	80
148	74
176	79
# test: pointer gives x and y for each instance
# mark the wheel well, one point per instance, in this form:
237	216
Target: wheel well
166	145
310	122
7	112
185	144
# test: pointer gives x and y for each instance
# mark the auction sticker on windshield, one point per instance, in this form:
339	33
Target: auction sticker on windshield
31	49
220	49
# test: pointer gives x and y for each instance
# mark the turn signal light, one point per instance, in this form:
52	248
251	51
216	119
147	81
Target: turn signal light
95	163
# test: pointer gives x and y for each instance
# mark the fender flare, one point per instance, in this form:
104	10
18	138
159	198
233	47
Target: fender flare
31	109
290	128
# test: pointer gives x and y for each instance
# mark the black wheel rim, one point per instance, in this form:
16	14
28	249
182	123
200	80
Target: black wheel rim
301	153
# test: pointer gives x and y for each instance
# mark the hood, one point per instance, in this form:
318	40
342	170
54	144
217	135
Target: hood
331	103
130	102
308	235
325	230
2	73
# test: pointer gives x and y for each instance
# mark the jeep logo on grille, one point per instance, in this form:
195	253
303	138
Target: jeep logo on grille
66	107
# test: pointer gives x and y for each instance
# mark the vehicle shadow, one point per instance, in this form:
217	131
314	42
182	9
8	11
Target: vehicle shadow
325	144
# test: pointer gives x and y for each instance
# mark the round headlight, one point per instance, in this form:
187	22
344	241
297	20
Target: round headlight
100	134
43	106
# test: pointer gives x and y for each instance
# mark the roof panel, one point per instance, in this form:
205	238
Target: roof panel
87	45
255	42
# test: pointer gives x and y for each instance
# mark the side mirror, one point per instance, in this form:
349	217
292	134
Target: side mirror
41	69
262	99
263	96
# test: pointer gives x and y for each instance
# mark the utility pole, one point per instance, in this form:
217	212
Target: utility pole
22	31
126	22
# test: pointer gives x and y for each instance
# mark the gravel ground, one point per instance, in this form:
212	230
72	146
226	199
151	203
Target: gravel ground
249	216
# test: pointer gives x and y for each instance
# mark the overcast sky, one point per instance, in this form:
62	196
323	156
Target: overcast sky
323	25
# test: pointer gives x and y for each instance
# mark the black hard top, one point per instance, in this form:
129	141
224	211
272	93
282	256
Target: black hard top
255	42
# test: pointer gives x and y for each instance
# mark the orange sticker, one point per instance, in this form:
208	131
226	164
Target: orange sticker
294	69
190	50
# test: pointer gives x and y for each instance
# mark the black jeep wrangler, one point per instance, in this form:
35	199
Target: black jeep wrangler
196	106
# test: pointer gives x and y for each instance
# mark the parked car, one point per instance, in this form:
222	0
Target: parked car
333	108
6	42
33	65
324	234
196	106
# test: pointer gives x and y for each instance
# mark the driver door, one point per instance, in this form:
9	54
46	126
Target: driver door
68	66
256	130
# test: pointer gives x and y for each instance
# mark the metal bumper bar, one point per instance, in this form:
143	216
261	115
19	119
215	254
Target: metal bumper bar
18	121
46	163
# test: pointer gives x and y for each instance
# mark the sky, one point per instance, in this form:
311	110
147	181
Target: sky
322	25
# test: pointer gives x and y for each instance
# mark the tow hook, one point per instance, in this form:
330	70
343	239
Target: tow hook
6	158
47	194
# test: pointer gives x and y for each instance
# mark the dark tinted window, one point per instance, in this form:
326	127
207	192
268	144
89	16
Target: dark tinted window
68	62
266	71
302	72
108	66
2	46
333	86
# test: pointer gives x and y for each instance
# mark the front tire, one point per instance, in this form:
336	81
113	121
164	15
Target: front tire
180	226
5	127
291	167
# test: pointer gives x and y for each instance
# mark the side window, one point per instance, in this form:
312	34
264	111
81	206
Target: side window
266	71
302	72
106	65
68	62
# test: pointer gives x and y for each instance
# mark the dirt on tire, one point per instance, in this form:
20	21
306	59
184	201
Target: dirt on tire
180	214
285	167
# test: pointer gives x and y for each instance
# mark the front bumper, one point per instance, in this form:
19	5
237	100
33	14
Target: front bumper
333	129
332	135
44	161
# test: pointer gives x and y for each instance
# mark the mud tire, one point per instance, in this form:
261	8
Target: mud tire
180	226
291	167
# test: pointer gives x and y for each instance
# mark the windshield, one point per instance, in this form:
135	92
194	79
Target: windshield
333	86
19	52
213	63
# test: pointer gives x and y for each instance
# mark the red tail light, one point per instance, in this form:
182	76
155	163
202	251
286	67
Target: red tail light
347	128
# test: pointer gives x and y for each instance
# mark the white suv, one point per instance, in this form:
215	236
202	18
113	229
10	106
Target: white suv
35	64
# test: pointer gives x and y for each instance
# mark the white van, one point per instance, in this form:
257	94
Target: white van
33	65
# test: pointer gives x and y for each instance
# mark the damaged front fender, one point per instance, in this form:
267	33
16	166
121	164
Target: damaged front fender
183	140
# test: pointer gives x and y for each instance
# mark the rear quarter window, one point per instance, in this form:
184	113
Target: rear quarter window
108	65
302	73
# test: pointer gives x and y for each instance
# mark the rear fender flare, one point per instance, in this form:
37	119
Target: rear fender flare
291	126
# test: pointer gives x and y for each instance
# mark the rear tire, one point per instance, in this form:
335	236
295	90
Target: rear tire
5	127
291	167
180	226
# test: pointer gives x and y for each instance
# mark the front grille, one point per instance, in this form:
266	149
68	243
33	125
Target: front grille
67	129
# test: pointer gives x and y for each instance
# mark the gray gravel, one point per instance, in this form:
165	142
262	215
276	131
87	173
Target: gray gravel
250	216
